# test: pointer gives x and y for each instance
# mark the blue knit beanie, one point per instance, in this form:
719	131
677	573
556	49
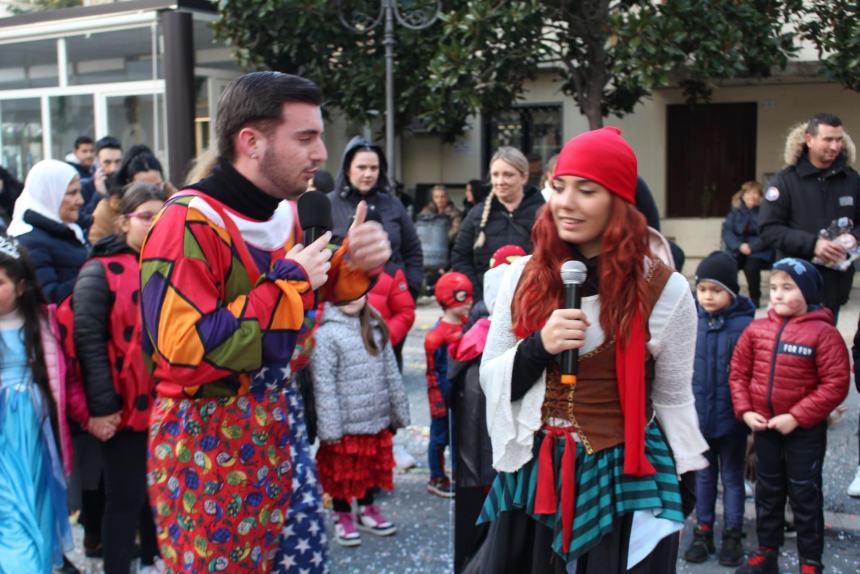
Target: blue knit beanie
806	276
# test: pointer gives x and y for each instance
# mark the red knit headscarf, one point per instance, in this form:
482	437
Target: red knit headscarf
604	157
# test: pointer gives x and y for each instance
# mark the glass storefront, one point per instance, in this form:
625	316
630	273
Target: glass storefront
533	129
104	80
29	65
202	121
71	116
107	57
20	135
131	119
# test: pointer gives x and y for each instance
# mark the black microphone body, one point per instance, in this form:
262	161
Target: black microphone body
311	234
573	274
570	358
314	210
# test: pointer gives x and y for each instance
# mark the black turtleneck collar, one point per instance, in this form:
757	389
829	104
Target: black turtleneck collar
236	192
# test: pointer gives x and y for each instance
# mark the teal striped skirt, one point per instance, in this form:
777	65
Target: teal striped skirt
602	491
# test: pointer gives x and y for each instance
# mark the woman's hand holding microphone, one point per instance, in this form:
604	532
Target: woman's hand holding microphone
564	330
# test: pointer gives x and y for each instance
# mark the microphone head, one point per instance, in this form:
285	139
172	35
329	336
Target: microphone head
573	272
314	210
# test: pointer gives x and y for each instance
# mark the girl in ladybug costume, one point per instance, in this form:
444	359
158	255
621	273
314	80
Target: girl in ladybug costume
118	388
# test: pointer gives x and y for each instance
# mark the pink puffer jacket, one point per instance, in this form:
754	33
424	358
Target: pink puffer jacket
70	400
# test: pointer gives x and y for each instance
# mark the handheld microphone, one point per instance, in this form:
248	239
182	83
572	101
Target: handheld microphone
573	274
314	215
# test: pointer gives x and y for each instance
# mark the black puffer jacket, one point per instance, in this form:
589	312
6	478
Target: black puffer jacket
503	228
56	253
92	302
406	251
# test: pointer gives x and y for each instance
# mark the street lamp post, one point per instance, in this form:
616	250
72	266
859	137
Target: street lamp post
415	18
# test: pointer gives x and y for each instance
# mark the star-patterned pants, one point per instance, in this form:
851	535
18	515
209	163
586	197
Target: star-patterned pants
233	485
302	548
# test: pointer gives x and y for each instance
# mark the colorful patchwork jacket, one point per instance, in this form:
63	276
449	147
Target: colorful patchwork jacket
206	328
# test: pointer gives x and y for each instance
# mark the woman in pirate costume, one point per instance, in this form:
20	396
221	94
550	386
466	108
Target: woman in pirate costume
589	471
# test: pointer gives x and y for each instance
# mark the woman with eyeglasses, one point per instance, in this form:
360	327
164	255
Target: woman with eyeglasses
138	166
118	388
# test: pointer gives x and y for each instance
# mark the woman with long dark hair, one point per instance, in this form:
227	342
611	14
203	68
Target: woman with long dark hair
588	469
139	165
364	177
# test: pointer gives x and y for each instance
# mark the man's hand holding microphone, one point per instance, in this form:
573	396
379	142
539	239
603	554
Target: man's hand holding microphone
314	259
368	245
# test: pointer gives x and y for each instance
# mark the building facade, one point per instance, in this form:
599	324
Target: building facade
101	70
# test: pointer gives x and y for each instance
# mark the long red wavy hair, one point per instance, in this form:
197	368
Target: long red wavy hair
622	286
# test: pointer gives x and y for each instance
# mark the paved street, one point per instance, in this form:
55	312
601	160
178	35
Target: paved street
423	544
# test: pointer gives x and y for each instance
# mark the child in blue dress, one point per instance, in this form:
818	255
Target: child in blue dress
34	526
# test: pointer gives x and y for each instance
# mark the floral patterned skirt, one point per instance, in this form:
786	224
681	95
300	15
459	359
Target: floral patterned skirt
220	481
356	463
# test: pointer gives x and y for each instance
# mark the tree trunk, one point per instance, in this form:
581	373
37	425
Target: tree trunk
592	111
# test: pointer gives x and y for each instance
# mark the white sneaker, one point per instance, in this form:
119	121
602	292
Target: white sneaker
854	487
749	489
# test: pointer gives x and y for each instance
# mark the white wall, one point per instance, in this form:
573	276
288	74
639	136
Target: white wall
779	108
427	160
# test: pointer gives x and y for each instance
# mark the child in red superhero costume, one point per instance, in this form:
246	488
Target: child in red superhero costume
454	294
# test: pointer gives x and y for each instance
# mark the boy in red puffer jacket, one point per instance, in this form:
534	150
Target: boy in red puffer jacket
788	372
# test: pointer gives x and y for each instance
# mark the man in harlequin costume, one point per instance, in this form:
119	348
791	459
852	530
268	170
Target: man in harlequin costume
454	294
225	288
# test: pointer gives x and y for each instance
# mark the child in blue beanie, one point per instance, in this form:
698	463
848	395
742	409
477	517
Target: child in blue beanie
723	316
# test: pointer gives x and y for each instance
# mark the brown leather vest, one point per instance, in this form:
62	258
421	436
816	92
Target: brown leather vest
593	405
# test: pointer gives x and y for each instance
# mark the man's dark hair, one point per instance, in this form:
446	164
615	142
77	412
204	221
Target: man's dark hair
822	118
258	98
83	140
108	142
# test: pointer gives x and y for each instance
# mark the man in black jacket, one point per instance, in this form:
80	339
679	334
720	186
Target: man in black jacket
817	190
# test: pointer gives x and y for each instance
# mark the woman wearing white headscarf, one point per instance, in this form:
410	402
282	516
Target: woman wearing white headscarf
45	222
